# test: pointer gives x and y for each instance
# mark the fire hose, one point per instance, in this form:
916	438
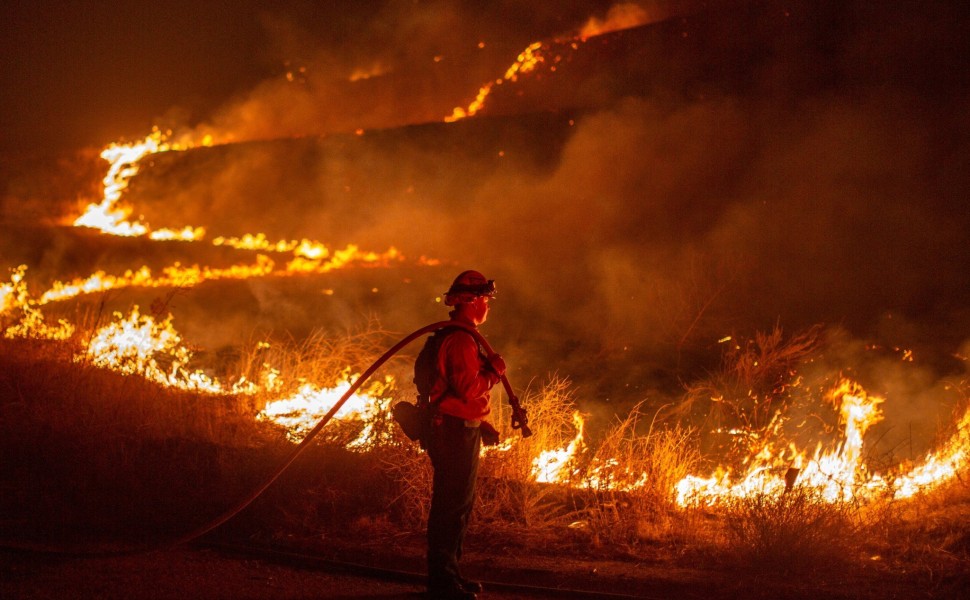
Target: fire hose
519	421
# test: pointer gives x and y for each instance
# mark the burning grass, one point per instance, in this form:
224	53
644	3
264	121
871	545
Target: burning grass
100	454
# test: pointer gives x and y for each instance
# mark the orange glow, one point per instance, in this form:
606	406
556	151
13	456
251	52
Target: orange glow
620	16
526	62
110	217
299	413
150	347
552	466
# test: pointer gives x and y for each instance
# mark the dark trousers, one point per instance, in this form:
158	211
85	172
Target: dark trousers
454	450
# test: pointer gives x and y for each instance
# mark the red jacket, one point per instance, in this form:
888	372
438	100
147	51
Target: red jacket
465	378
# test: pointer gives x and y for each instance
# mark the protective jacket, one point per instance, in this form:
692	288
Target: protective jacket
465	378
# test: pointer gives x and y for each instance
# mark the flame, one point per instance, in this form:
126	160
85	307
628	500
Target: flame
526	62
375	70
107	216
551	465
836	471
186	234
173	276
13	294
620	16
177	275
299	413
342	258
837	474
943	465
31	323
310	256
137	344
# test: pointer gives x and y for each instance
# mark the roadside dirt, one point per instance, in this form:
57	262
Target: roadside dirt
202	573
206	573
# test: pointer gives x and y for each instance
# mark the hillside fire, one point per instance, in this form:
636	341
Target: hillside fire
731	287
133	343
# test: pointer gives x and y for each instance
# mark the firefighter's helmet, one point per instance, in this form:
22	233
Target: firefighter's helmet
468	286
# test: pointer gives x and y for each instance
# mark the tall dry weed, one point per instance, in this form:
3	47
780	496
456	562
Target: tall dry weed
751	386
630	479
508	493
794	532
321	358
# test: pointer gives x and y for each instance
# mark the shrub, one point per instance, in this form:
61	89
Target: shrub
794	532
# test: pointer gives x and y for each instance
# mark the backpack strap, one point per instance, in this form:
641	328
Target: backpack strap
426	367
433	345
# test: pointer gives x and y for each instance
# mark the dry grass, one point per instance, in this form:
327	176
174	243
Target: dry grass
634	475
795	532
42	388
322	358
928	535
752	382
507	495
176	457
410	471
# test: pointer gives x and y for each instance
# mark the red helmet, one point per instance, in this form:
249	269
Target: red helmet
468	286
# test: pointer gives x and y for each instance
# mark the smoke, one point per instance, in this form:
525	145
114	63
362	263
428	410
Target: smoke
716	187
383	65
394	63
623	16
640	231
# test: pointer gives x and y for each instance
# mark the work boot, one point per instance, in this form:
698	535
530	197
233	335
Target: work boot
455	591
469	585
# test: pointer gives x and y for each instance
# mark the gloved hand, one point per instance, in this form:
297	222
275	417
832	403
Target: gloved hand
490	435
497	363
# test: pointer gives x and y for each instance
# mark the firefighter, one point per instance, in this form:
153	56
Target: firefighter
460	394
